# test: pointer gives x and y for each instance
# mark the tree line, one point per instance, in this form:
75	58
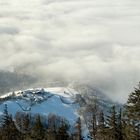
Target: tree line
25	126
117	124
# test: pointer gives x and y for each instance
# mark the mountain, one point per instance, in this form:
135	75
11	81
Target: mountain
70	103
48	100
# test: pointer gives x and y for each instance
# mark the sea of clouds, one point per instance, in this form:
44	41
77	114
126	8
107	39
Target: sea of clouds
92	41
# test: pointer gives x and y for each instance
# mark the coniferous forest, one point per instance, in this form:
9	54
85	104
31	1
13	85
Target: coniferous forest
117	124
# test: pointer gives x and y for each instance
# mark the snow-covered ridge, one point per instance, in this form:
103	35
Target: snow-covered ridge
62	91
40	94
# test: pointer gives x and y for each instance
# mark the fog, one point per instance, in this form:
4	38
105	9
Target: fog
88	41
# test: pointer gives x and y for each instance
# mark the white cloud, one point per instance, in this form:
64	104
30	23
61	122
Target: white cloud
94	41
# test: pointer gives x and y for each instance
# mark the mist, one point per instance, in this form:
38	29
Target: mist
89	41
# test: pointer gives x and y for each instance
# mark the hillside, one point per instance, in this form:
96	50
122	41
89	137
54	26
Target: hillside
62	101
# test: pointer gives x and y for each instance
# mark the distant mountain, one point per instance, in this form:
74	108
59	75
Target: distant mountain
10	81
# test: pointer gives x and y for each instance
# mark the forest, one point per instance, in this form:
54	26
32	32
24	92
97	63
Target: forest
117	124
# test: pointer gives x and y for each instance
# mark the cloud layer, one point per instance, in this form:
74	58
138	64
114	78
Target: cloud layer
93	41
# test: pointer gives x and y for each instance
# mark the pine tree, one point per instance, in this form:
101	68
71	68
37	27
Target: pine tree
18	120
79	131
132	112
94	120
128	129
101	127
6	117
62	131
112	122
13	132
137	132
37	132
9	131
120	126
132	107
26	122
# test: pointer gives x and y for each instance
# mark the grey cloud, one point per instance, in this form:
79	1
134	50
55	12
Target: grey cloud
8	30
96	42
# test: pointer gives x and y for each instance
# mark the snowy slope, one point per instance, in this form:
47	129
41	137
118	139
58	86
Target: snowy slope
65	102
59	100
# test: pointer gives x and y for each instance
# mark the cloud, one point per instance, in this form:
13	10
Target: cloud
95	42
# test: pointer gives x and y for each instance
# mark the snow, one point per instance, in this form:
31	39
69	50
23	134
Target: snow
57	100
52	105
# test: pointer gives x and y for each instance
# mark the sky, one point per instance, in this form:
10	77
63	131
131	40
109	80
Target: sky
90	41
